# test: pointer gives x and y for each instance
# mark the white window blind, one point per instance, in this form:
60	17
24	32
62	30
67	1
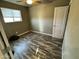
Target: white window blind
11	15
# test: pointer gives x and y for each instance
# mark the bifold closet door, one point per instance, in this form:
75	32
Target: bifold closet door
60	17
5	50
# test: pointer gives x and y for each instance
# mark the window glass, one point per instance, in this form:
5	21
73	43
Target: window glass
11	15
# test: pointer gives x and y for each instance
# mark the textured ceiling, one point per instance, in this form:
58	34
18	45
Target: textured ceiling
23	2
35	2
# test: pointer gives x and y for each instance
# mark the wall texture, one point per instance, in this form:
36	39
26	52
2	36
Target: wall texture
42	16
71	39
20	27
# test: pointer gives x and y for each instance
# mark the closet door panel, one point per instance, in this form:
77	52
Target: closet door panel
60	16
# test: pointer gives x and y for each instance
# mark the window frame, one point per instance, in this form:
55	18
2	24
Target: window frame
13	16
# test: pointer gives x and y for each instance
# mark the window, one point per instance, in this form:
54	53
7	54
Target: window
11	15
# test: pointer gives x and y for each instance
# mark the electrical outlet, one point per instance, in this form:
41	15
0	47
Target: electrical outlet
16	32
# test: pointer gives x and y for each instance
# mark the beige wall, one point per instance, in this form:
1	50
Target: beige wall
20	27
71	39
42	16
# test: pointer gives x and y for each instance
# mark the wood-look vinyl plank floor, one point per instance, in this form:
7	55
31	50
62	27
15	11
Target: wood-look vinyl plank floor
37	46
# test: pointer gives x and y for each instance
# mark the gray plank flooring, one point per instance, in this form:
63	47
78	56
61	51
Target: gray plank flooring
37	46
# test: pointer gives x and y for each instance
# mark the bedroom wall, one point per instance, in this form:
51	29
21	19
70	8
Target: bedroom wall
71	39
42	16
20	27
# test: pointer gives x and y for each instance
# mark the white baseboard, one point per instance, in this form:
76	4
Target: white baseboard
24	33
42	33
35	32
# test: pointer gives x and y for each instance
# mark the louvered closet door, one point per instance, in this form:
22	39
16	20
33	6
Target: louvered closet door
5	50
60	17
